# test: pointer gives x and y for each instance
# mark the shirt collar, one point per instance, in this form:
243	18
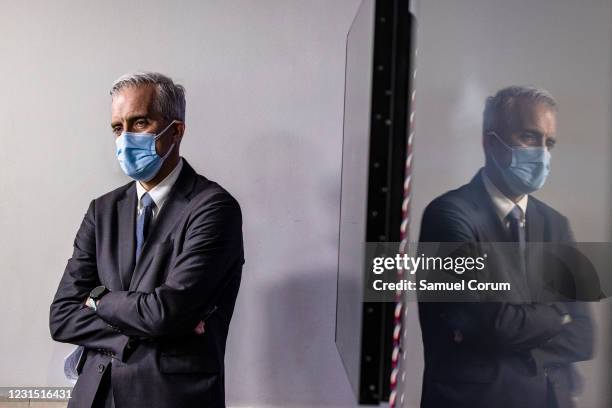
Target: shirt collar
503	205
159	193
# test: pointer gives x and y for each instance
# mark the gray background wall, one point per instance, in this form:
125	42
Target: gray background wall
264	118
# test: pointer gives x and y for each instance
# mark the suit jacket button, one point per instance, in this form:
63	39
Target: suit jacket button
101	368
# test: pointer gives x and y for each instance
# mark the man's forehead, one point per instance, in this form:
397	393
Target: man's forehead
535	115
133	98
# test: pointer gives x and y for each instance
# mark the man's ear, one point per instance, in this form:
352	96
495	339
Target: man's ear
486	141
180	131
488	146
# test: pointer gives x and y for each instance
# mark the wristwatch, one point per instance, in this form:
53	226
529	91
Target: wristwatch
563	312
96	294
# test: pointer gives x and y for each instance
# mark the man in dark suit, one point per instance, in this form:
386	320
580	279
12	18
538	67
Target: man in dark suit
504	354
151	285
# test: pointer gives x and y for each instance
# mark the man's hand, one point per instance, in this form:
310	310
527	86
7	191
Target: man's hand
199	329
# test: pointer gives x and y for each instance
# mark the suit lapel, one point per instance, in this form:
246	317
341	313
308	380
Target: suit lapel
486	208
175	205
534	223
126	210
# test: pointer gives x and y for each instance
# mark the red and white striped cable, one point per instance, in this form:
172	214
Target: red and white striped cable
396	396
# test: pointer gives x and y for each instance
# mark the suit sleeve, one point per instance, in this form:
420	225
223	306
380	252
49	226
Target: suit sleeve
575	342
70	321
212	249
493	324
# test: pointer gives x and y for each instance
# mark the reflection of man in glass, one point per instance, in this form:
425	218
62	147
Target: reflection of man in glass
504	354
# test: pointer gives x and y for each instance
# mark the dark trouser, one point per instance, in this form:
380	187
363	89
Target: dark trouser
552	399
104	395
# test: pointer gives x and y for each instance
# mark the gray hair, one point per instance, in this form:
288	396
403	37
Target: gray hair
501	108
170	96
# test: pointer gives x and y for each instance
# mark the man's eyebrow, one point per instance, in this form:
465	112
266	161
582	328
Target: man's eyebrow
130	118
534	131
134	116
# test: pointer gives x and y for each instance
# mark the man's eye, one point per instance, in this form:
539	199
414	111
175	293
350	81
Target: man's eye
117	130
529	139
141	122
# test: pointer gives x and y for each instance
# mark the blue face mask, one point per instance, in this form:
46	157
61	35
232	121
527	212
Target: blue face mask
137	155
528	169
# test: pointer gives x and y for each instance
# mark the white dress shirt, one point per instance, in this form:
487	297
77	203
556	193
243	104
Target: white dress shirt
159	193
503	205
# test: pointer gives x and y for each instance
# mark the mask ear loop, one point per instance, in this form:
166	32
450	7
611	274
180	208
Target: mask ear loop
500	140
497	163
160	134
166	128
168	154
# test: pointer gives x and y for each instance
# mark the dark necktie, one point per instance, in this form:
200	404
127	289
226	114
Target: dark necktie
143	222
517	232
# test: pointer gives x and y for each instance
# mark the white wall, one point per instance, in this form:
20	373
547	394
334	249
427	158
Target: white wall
265	85
468	50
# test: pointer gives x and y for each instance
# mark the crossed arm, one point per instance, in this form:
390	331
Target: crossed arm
213	244
70	321
542	329
212	248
